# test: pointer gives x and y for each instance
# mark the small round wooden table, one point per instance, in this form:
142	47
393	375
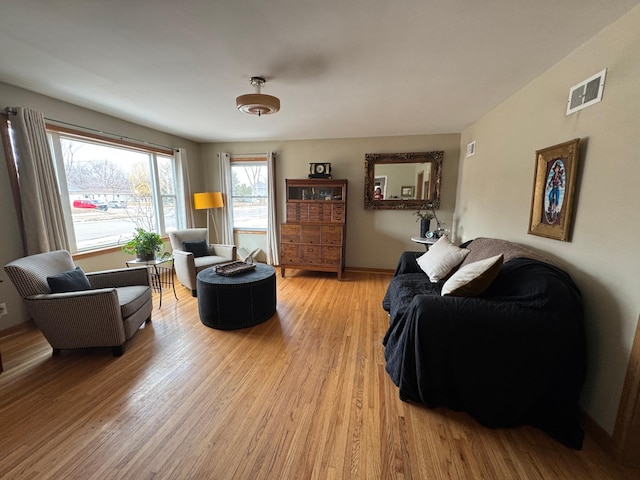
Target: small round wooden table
240	301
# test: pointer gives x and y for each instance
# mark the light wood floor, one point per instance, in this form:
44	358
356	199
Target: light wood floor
304	395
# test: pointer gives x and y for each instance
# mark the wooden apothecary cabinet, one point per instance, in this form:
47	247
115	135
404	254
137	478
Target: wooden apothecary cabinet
313	236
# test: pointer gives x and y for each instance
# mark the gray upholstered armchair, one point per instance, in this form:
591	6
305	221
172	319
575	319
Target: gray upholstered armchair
192	253
106	314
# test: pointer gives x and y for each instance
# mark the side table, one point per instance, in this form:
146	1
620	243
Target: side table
159	275
427	242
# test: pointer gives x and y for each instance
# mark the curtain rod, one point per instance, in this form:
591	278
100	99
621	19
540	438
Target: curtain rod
13	111
262	154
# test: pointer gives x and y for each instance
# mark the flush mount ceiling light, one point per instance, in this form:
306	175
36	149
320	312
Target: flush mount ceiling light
258	103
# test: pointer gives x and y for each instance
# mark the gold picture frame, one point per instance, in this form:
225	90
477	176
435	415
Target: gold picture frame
407	192
553	190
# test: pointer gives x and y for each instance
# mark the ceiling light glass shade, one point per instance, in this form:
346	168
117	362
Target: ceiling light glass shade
207	200
257	103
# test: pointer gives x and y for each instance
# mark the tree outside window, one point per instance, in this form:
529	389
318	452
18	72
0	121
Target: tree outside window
249	187
112	189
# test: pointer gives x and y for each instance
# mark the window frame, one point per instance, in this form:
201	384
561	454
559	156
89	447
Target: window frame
56	132
249	160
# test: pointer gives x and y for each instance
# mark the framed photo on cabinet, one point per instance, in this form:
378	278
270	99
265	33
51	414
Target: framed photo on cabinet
553	190
407	192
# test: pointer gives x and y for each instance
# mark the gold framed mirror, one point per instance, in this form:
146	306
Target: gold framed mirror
395	181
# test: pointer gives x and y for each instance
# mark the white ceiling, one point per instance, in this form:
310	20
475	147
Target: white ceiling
341	68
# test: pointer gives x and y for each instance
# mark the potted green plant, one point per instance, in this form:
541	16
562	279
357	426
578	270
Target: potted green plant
144	245
425	221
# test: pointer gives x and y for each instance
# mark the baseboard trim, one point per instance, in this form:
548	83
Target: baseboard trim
599	434
21	327
368	270
382	271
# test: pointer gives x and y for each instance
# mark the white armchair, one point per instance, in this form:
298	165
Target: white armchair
191	255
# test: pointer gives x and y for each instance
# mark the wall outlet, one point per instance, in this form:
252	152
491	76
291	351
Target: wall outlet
3	309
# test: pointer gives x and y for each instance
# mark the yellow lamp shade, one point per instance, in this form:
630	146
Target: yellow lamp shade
205	200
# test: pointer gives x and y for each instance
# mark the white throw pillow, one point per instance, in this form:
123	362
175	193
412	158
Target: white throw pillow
473	279
442	257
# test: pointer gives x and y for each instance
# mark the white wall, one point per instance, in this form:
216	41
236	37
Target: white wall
375	238
11	96
495	188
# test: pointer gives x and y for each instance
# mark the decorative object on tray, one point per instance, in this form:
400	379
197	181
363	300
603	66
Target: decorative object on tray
233	268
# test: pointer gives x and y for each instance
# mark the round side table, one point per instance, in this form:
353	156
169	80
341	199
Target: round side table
241	301
427	242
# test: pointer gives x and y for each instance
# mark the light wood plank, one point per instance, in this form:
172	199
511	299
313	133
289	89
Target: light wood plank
304	395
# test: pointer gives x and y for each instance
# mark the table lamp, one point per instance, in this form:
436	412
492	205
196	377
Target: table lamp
208	200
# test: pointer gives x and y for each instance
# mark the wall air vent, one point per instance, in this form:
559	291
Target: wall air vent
586	93
471	148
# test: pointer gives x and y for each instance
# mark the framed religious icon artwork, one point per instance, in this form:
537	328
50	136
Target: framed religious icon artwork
553	190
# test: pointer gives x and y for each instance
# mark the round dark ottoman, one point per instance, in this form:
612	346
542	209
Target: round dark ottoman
241	301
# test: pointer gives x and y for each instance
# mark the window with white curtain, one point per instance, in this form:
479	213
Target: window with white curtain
110	188
249	193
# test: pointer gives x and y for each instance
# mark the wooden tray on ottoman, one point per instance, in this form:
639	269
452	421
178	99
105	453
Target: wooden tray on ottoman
233	268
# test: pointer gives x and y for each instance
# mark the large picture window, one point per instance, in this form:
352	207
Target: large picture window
109	189
249	185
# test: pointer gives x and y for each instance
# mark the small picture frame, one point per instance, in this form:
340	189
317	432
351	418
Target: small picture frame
553	190
407	192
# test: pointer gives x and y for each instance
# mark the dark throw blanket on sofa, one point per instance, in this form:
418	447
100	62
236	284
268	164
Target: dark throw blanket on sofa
515	355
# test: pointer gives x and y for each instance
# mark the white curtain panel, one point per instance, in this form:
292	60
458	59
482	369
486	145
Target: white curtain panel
226	226
44	223
273	247
180	155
